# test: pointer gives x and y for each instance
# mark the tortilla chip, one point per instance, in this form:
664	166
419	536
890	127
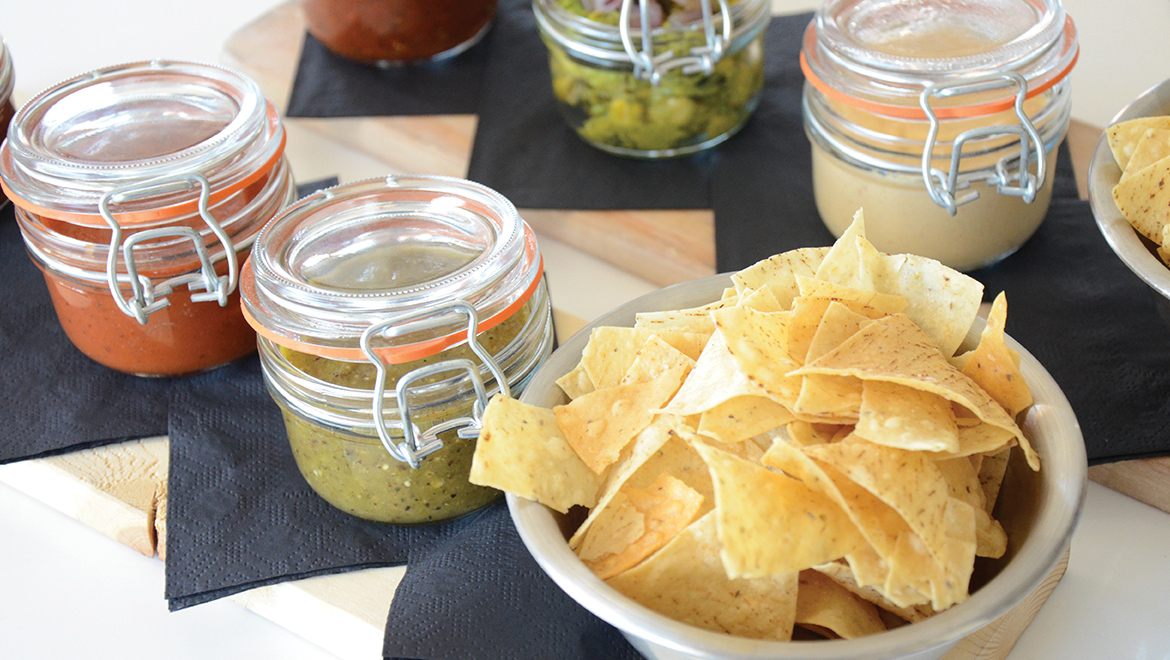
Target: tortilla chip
601	423
779	273
842	574
963	481
1144	199
991	473
685	581
612	350
1124	136
942	301
839	396
842	265
618	526
995	367
743	417
883	302
771	524
576	383
655	360
521	450
838	324
645	446
895	350
822	603
1153	146
756	341
803	434
907	481
667	508
761	300
898	416
715	379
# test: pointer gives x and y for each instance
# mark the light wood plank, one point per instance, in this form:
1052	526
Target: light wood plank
113	489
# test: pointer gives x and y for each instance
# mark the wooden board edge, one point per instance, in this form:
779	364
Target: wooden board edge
1145	480
95	508
996	640
323	610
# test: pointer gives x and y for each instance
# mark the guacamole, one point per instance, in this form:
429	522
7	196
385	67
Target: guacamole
610	108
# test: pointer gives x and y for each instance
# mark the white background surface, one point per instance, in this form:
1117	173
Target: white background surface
66	591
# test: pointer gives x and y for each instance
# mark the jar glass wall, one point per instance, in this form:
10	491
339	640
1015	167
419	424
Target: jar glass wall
140	227
420	252
946	141
682	109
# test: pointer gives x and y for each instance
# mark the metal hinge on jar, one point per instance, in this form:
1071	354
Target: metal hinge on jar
700	59
417	444
1011	175
149	297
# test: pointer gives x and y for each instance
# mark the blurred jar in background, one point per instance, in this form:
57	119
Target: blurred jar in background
7	81
390	32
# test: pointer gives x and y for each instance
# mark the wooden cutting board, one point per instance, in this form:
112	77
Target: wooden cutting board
120	490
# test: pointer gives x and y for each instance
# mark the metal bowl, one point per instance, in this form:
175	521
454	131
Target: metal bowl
1041	512
1134	250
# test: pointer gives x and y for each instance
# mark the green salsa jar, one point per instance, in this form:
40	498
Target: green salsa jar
363	297
687	82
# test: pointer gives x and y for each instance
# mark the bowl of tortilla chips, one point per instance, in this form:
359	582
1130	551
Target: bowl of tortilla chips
825	455
1128	191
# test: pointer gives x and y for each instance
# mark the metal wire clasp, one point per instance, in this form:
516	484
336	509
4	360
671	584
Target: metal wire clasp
701	59
149	297
943	187
417	444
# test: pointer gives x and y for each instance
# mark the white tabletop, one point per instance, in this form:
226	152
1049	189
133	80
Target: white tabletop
66	591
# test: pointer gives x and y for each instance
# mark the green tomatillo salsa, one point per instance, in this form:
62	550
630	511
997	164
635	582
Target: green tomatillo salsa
351	469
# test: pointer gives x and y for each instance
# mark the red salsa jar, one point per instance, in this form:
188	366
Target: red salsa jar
7	82
139	190
387	32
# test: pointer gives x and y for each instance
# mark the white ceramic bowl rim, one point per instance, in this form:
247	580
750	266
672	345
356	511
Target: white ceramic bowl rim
1060	508
1104	174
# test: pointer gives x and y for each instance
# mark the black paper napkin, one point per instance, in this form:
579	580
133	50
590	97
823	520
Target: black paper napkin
479	594
762	188
1096	327
327	85
524	149
239	513
56	399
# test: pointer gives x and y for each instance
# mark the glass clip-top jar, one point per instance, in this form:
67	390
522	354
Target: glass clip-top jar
139	189
690	81
940	119
388	311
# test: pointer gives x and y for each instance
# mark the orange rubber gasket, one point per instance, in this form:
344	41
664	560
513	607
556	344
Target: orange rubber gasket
151	215
954	112
405	352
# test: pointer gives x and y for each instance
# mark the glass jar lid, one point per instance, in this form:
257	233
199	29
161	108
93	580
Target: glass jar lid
346	258
880	55
130	126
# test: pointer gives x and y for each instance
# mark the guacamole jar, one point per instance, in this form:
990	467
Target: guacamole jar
655	80
940	118
365	296
139	189
390	32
